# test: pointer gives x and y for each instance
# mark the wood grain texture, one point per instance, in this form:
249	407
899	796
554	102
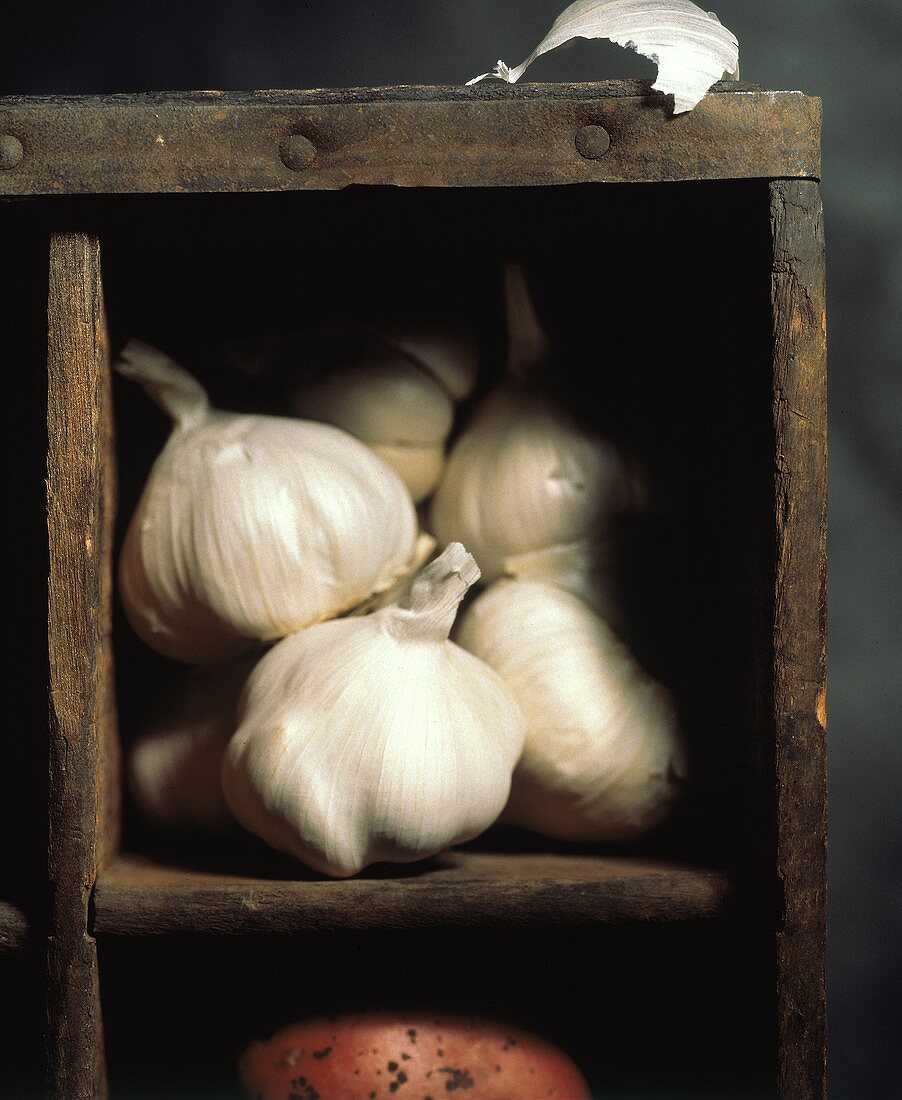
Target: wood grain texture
140	897
414	137
77	364
800	420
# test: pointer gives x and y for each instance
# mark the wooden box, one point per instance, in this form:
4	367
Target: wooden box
680	263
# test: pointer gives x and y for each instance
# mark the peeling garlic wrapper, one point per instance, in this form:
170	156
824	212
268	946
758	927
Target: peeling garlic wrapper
376	738
691	47
603	759
252	527
175	765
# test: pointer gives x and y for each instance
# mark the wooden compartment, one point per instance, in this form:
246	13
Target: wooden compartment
681	277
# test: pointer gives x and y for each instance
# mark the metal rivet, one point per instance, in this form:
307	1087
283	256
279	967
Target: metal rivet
592	142
297	152
11	151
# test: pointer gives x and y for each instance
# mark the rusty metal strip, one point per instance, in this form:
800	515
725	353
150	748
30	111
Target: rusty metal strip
283	142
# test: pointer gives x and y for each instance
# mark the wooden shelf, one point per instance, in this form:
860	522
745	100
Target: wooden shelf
141	896
13	927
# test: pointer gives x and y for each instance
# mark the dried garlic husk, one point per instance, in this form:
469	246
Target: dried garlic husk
691	47
252	527
175	765
603	759
376	738
523	476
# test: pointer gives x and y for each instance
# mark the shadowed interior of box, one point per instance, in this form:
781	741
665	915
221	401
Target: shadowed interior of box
656	300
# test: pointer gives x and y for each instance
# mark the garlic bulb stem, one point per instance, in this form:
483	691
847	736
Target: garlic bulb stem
169	385
528	348
436	594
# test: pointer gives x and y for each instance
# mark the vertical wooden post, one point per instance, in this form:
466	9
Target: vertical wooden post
800	420
79	507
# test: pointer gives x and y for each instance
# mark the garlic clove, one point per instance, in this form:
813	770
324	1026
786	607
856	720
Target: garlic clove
604	759
372	739
174	767
384	401
420	468
251	527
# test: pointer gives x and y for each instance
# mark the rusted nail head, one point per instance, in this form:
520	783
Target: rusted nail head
297	152
592	142
11	151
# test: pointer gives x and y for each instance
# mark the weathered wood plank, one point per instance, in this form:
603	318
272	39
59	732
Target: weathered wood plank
78	526
456	138
800	420
138	896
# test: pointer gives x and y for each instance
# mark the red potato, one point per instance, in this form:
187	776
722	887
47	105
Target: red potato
381	1057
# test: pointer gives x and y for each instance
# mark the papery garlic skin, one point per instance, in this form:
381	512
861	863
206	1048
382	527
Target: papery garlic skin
372	739
523	477
604	759
175	765
252	527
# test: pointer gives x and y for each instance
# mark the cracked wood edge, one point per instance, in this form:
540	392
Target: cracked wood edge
800	422
79	519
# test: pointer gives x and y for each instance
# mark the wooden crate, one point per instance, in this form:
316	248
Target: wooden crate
683	260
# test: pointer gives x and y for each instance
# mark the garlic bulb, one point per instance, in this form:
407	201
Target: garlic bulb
396	391
175	765
603	759
449	353
420	468
371	739
252	527
523	476
388	400
590	570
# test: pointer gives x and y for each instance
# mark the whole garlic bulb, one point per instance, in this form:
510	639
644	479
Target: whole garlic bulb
371	739
252	527
603	759
448	352
590	570
395	391
175	765
523	476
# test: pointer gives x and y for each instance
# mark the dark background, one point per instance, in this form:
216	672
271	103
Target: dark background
846	52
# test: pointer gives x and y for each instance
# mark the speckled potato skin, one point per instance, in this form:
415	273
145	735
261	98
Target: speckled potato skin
416	1058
